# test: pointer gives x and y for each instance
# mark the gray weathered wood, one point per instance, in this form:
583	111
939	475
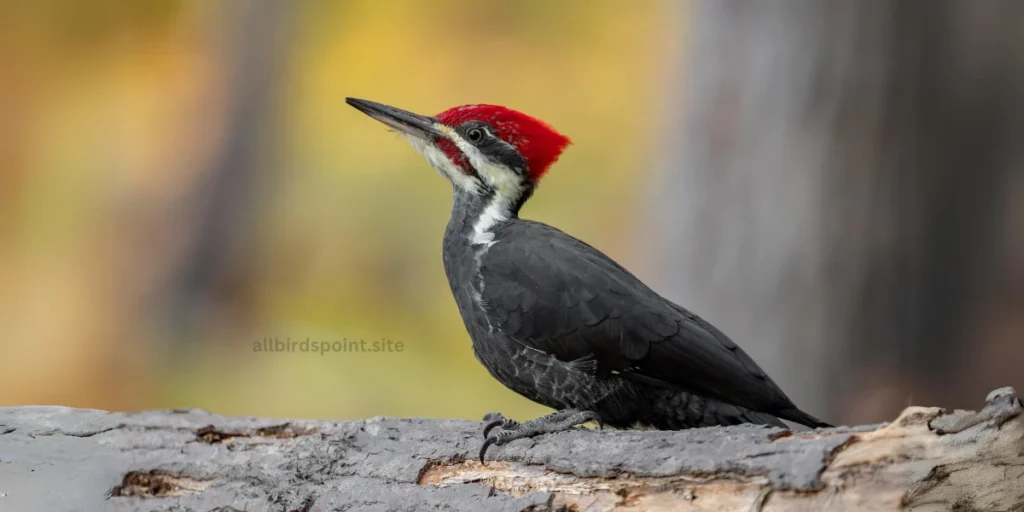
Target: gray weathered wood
59	458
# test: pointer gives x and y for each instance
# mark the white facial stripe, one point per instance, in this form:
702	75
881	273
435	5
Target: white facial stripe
503	180
507	186
440	161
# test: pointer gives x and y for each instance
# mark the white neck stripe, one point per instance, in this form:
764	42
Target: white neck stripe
495	213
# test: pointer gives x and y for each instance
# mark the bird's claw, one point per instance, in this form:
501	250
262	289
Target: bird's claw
490	426
500	439
496	419
512	430
487	444
483	449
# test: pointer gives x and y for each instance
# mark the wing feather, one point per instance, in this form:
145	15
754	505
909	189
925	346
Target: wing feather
557	294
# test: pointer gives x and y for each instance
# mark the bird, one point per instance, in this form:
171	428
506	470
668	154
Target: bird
556	320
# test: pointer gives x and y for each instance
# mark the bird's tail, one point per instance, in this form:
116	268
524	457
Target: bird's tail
802	418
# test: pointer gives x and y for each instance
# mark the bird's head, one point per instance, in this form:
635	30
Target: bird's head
488	151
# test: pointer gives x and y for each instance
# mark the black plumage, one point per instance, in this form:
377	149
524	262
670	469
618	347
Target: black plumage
564	325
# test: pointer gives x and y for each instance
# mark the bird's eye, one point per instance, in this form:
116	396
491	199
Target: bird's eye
475	134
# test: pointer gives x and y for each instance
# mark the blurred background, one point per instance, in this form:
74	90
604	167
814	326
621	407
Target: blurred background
837	185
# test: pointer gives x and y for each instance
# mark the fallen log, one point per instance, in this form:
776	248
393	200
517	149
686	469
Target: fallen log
59	458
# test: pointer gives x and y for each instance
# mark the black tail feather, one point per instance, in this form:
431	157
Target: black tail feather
803	418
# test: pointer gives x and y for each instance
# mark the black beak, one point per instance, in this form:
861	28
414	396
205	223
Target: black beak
401	120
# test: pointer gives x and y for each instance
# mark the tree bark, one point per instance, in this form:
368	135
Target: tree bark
58	458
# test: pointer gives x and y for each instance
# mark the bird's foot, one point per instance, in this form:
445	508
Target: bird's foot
512	429
496	419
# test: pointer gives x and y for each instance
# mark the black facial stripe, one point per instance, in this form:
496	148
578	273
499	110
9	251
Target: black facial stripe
493	148
506	155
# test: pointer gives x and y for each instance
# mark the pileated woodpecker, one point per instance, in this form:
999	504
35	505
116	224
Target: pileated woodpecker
556	320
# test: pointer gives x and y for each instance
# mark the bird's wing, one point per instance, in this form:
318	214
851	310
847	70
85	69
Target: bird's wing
559	295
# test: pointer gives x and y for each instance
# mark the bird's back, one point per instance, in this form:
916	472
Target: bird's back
552	293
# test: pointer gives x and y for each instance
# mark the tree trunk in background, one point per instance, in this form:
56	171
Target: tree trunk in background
216	272
840	193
